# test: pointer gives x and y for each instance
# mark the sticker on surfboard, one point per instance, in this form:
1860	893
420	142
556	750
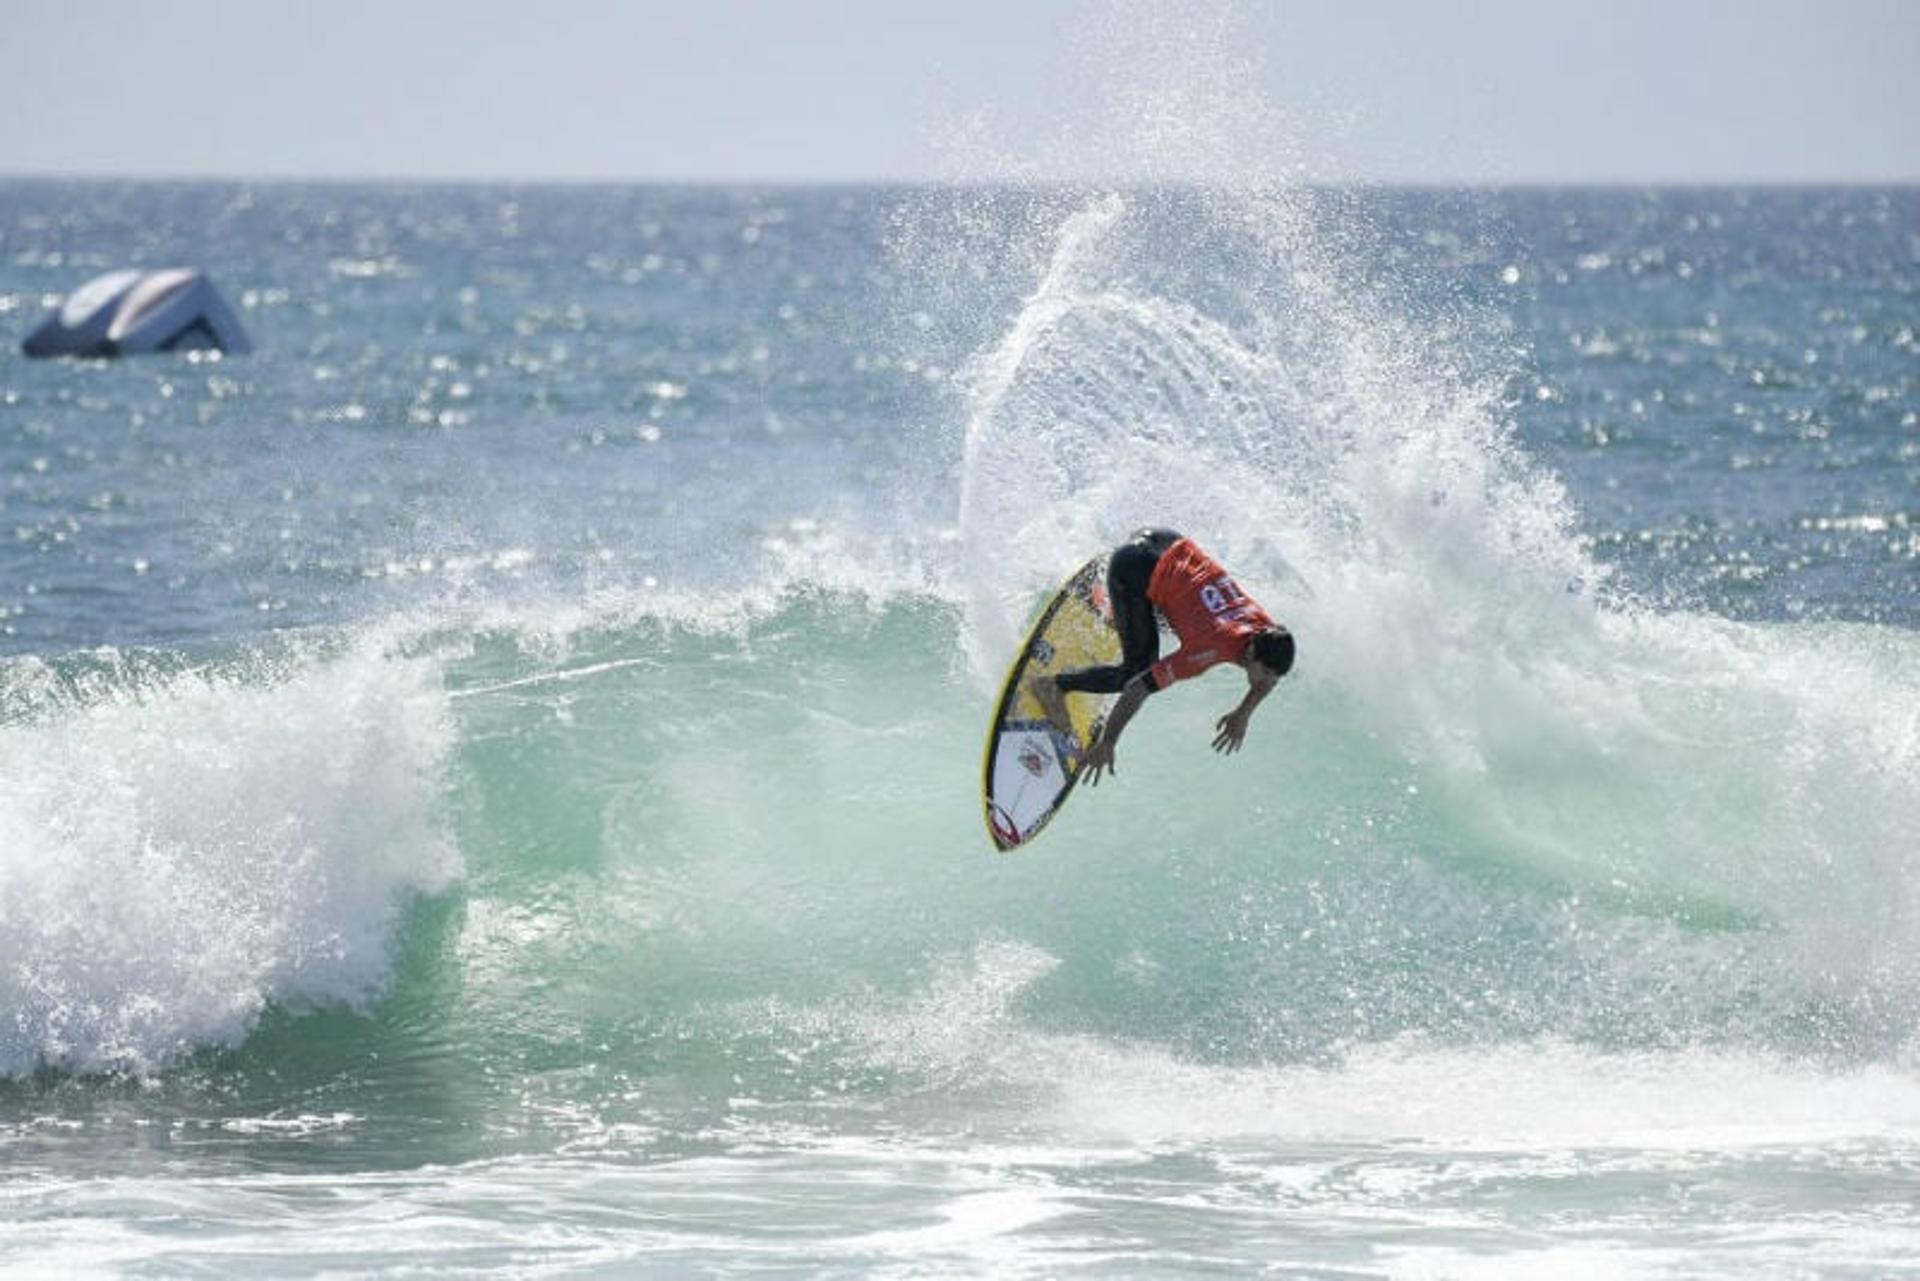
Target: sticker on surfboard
1032	764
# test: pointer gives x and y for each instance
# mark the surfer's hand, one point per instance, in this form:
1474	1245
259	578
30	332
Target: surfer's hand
1232	732
1098	760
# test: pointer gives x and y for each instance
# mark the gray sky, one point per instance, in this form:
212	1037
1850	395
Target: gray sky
1475	91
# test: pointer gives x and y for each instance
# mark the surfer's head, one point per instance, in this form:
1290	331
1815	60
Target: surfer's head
1272	649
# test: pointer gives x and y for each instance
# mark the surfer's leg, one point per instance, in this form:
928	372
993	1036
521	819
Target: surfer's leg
1128	572
1053	701
1091	680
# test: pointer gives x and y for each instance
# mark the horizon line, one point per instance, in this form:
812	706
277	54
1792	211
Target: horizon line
930	182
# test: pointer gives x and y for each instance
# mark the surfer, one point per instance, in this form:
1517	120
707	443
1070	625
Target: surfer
1164	571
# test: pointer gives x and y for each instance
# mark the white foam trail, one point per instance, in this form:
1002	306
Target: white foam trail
176	852
1521	1096
965	1033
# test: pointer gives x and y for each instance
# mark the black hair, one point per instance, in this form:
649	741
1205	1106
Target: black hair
1273	649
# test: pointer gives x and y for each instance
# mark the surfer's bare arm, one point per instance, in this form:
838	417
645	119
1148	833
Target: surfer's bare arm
1099	757
1233	726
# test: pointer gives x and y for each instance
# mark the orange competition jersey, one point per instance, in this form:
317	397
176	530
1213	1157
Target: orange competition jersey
1213	618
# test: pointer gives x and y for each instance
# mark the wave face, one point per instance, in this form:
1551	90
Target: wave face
1634	831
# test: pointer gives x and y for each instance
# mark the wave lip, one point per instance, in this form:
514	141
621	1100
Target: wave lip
178	851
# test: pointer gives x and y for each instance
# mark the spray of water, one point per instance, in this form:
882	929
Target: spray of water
1202	346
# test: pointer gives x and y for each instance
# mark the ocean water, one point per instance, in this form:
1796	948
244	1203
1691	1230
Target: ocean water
489	782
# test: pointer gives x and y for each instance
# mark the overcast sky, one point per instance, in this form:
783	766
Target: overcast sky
1476	91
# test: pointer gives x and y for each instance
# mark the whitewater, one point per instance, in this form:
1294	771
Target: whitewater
491	779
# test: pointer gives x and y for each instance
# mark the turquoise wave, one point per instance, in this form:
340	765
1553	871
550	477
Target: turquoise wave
644	850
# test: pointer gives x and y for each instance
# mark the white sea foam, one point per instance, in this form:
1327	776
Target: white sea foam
177	851
966	1032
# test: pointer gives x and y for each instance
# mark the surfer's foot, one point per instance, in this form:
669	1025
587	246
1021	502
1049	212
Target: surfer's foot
1046	692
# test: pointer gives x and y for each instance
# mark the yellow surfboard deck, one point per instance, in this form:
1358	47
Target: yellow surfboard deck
1031	763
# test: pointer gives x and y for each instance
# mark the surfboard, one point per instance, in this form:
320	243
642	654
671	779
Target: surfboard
1032	764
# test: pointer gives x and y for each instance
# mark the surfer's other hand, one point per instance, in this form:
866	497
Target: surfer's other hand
1233	732
1098	760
